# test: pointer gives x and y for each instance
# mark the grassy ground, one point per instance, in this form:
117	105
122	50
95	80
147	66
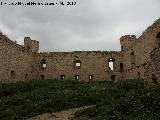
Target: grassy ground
113	101
142	104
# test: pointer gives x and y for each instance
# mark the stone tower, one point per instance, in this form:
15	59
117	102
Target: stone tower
127	42
31	45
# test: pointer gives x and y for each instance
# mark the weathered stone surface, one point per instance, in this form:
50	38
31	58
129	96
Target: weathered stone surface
139	58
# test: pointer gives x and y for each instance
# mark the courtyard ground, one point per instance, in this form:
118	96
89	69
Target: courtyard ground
62	100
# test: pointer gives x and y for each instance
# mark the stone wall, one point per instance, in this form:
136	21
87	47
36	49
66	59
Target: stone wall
17	62
141	47
152	72
92	63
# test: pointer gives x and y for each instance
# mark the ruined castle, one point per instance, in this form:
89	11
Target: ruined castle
139	58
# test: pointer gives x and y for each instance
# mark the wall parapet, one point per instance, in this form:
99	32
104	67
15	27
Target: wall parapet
11	42
150	29
103	53
128	37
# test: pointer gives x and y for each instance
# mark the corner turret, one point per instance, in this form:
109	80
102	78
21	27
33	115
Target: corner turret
127	42
31	45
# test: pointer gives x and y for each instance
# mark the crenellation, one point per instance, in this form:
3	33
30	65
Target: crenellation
31	45
102	53
128	37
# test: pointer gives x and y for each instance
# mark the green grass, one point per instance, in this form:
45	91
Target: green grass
22	100
141	104
113	101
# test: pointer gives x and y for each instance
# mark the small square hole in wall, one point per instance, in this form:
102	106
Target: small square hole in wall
13	75
62	77
43	63
26	76
113	77
76	77
42	77
139	75
78	64
121	67
44	66
90	77
122	49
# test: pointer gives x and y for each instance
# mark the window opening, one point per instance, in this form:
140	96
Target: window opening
90	77
42	77
43	64
113	77
13	75
77	64
139	75
121	67
76	77
62	77
111	64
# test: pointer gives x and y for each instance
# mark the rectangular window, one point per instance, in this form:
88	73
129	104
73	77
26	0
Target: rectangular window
111	64
90	77
77	64
122	48
76	77
13	75
113	77
42	77
121	67
26	76
62	77
139	75
44	66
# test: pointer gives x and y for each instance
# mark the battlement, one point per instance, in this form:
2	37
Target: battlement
31	45
128	37
127	41
86	53
28	38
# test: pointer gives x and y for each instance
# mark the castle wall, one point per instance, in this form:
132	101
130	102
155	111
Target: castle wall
152	72
92	63
142	47
139	58
17	63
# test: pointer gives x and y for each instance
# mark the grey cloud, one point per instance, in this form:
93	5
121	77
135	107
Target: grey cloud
90	25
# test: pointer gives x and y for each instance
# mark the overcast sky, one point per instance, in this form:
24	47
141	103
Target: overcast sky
88	25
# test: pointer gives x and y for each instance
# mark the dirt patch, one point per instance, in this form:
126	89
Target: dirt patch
63	115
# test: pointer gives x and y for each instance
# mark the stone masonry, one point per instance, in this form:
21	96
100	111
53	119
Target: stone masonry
139	58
